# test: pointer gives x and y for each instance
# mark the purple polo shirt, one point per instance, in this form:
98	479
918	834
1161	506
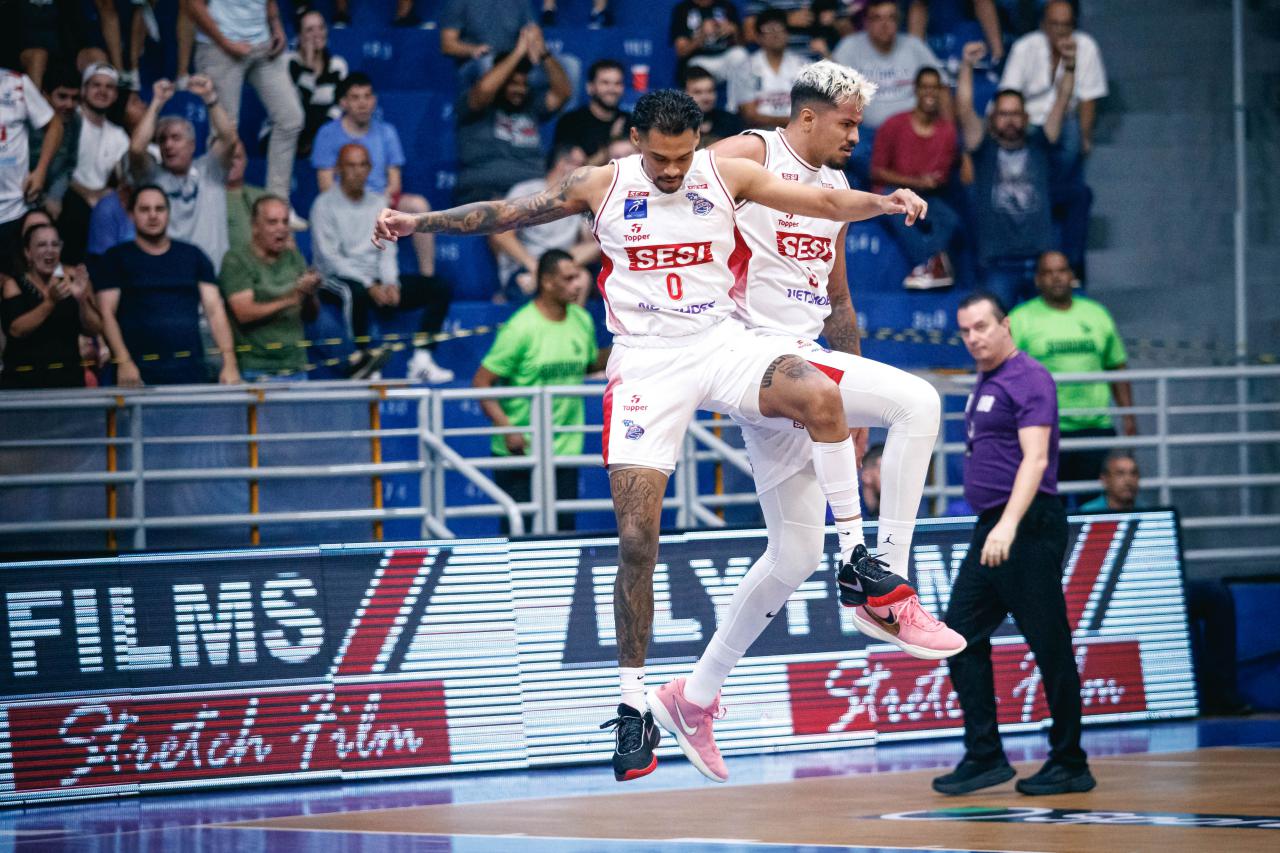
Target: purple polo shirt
1019	393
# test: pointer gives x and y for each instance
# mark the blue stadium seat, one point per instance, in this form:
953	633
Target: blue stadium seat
468	265
394	57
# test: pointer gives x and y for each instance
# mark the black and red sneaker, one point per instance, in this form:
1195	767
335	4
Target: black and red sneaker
635	739
865	579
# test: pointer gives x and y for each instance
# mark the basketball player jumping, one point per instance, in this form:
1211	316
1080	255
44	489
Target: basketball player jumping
673	268
796	290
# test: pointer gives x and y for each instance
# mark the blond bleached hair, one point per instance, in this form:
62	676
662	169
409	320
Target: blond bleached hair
831	83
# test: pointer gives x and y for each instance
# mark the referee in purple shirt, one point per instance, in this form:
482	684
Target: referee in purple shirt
1014	564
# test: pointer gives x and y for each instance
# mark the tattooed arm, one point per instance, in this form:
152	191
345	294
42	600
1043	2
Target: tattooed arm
841	326
578	193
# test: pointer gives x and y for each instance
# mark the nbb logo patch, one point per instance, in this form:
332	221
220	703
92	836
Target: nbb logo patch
671	256
804	247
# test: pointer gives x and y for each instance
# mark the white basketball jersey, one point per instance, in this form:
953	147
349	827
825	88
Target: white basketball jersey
791	255
672	264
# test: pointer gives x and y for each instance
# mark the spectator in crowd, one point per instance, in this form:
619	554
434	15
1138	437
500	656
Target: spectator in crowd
151	290
498	118
359	123
1038	60
550	341
918	150
196	186
102	145
888	58
1014	561
705	33
518	251
812	25
482	29
39	34
242	39
110	223
142	23
1011	180
366	279
984	11
1073	334
316	73
240	200
870	476
599	18
593	126
43	311
716	123
1119	478
760	90
62	91
270	293
24	111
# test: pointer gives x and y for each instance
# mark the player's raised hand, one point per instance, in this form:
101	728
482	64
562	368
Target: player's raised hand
391	225
905	201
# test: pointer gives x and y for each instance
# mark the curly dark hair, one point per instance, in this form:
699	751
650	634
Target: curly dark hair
668	111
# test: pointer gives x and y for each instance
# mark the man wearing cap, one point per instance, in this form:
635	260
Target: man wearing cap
102	144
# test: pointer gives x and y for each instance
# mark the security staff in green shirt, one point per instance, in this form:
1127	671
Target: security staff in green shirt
550	341
1073	334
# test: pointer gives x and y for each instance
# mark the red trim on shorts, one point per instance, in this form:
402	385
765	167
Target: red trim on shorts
608	421
739	264
835	374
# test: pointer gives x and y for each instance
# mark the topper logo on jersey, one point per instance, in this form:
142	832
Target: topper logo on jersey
669	256
635	208
804	247
701	207
637	234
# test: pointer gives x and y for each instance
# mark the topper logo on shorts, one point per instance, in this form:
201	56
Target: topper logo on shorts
804	247
669	256
635	208
634	430
701	207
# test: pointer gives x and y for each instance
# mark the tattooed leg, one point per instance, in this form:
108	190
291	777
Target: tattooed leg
793	388
637	502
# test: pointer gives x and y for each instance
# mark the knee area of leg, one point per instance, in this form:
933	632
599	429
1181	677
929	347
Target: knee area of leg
797	550
637	545
922	404
824	407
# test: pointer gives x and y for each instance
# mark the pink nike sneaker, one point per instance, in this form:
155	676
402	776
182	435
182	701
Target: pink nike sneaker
910	627
691	724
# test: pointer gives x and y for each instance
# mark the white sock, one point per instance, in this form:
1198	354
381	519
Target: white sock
632	681
893	542
837	468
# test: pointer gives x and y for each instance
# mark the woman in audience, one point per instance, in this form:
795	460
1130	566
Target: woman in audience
43	312
316	72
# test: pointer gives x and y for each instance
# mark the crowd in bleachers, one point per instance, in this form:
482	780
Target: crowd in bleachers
985	107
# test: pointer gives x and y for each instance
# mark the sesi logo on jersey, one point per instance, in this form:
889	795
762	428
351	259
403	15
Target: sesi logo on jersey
804	247
644	258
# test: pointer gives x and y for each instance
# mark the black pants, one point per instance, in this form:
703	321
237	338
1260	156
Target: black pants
73	227
1083	464
416	291
518	482
1029	585
1211	613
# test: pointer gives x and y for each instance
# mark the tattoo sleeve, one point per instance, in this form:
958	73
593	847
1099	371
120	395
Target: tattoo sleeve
637	501
490	217
841	326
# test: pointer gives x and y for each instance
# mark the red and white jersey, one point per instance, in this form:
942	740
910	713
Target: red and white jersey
672	264
791	255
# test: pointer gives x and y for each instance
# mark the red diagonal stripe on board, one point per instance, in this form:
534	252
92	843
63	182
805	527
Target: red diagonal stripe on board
1093	553
386	596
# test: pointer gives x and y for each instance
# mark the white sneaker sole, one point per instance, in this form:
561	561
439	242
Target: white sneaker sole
871	629
664	719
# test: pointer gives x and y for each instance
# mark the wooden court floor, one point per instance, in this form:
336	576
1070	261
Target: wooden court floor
851	811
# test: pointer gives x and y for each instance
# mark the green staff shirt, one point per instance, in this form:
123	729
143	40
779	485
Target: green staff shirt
532	350
1080	339
273	342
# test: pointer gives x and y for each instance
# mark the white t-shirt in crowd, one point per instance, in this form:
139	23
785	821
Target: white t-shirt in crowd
771	90
101	147
894	72
239	20
1029	70
21	108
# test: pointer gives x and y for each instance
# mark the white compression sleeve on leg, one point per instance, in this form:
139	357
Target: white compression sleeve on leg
836	465
794	512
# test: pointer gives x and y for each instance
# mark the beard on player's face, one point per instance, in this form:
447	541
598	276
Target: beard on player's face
666	159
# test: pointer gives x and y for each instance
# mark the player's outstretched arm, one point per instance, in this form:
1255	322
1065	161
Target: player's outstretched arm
572	196
751	181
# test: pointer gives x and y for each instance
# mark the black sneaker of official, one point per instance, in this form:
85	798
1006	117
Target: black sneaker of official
865	579
1056	779
972	775
635	739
